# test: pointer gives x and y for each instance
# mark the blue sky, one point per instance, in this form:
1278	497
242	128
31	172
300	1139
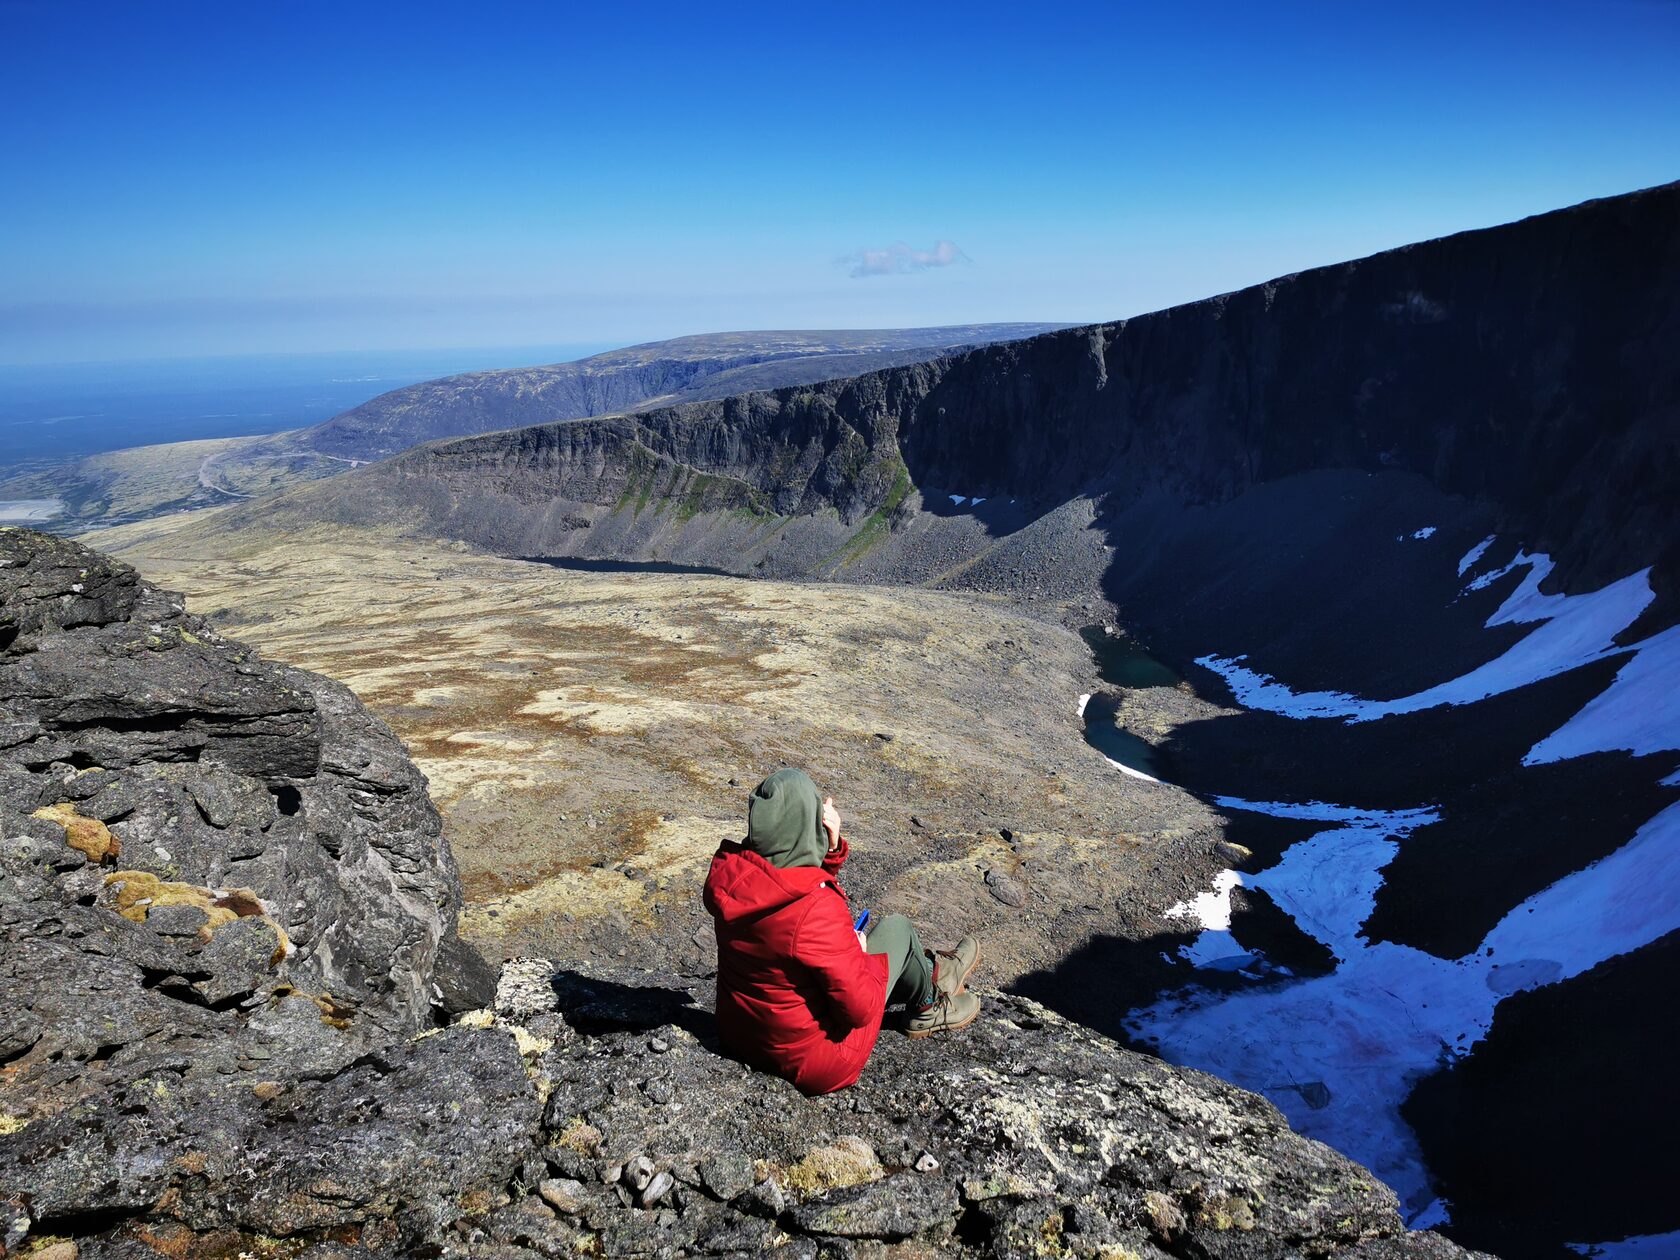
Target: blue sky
184	178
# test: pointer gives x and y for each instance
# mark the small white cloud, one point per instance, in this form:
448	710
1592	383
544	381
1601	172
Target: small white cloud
898	258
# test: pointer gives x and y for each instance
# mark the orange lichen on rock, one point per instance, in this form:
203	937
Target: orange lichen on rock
138	892
88	836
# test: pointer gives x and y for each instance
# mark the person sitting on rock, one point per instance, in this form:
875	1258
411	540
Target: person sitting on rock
800	993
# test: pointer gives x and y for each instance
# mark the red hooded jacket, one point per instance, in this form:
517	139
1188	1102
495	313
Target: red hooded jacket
795	994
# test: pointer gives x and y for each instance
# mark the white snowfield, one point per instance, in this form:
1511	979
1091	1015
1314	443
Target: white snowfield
1573	630
1340	1053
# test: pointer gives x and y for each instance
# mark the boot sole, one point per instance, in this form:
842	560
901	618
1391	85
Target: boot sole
934	1032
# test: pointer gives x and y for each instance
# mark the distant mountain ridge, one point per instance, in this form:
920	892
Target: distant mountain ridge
123	486
684	369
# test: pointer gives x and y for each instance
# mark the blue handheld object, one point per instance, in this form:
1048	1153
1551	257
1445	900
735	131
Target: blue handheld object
861	920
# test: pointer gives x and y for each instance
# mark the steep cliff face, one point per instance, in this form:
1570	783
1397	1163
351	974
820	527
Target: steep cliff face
686	368
1526	367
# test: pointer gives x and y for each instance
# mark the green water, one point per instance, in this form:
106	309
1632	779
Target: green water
1123	662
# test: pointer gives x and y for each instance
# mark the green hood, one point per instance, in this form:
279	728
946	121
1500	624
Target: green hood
784	820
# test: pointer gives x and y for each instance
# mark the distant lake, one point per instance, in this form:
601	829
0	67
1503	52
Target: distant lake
592	564
63	411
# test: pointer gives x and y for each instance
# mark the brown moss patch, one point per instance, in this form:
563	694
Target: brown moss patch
88	836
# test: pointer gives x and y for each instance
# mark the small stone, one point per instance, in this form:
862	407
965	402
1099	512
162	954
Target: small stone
659	1045
611	1174
1006	888
65	1250
179	920
765	1199
726	1175
660	1092
638	1173
562	1194
926	1163
267	1090
656	1189
917	823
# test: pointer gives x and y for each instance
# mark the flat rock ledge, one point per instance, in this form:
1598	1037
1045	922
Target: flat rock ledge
590	1113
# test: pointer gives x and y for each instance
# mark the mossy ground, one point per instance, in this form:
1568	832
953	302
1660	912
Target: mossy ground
591	737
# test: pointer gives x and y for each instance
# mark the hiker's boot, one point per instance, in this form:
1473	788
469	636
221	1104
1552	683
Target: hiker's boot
952	967
946	1013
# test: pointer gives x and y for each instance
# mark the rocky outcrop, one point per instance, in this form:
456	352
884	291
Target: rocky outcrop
590	1113
204	858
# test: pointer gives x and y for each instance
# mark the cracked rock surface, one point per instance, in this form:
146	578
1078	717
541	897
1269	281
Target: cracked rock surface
206	861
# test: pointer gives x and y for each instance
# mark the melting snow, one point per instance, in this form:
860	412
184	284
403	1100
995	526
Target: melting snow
1136	774
1639	712
1474	554
1210	909
1389	1013
1575	630
1340	1053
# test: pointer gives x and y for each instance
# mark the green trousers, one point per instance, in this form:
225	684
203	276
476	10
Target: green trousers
909	969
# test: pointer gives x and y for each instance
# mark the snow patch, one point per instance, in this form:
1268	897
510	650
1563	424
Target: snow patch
957	499
1128	770
1210	910
1339	1053
1474	554
1574	630
1638	713
1389	1013
1639	1247
1428	531
1435	1214
1084	699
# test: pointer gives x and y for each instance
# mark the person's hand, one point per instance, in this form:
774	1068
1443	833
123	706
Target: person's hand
863	941
831	823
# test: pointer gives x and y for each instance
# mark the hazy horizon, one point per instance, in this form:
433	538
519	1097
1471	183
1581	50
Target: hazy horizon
207	180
